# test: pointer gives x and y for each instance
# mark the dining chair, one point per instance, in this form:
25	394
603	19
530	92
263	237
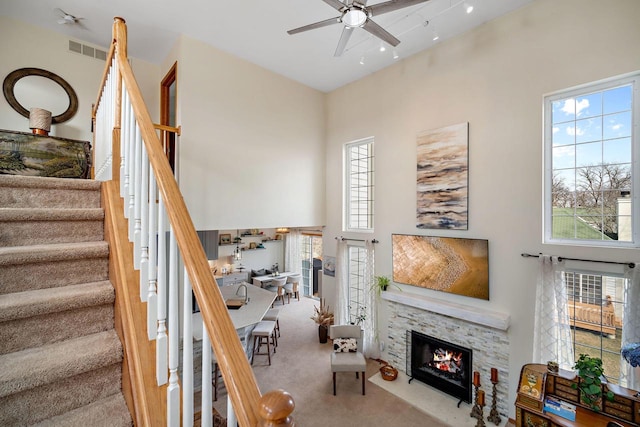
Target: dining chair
347	353
293	283
277	286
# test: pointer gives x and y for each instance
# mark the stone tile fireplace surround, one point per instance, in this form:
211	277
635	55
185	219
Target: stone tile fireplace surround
484	331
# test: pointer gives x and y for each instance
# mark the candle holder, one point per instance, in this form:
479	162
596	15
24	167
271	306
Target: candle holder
494	416
480	417
476	411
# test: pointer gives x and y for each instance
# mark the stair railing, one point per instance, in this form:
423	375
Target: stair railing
127	152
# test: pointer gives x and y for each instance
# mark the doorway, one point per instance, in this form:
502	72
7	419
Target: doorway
311	254
168	113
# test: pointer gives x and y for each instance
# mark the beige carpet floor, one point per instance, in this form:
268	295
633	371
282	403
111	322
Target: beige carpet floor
301	366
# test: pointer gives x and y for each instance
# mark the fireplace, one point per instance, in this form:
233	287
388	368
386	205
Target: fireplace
440	364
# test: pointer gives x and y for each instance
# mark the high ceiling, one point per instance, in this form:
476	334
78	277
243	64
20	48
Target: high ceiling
256	30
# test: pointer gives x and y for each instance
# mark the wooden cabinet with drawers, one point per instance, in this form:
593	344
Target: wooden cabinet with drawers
536	384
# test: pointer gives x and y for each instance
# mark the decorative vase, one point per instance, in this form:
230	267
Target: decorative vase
323	333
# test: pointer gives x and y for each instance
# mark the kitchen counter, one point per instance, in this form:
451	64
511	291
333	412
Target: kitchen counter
260	301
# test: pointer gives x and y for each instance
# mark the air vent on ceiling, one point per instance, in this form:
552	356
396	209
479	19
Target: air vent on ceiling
87	50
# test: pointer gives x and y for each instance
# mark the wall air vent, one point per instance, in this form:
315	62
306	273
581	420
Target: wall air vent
83	49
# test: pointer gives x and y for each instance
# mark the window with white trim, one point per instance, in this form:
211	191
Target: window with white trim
358	211
596	309
591	164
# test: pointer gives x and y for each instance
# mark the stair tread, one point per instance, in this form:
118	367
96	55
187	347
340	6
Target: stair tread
110	411
52	252
20	305
48	182
51	214
34	367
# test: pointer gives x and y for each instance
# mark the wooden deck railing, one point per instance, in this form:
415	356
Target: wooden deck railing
160	232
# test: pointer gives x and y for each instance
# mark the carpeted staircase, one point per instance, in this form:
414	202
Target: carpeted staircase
60	356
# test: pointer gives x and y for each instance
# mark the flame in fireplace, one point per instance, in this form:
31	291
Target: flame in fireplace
447	361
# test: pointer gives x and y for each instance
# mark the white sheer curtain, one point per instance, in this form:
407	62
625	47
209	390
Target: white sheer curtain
552	332
341	312
630	377
369	325
292	257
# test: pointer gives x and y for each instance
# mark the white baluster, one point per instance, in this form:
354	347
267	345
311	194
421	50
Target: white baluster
206	413
161	338
126	134
187	355
173	390
152	299
133	187
131	164
137	203
144	231
123	131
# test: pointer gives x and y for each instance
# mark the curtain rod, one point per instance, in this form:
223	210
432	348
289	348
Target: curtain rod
561	258
356	240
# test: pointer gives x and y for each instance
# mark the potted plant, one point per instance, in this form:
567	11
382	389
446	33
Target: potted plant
323	316
590	371
381	283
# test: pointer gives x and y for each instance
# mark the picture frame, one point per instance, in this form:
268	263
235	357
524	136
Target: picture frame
532	383
225	239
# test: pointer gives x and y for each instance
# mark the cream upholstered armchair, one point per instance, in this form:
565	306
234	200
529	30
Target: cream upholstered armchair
347	352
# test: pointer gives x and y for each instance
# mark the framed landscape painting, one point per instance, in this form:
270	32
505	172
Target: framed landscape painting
442	181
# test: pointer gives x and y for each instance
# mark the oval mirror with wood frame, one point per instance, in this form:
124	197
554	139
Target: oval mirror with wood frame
12	78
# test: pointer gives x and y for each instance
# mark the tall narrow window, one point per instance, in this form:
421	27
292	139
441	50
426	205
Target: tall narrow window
591	164
359	185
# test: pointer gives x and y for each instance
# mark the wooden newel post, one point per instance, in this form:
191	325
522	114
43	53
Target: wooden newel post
275	408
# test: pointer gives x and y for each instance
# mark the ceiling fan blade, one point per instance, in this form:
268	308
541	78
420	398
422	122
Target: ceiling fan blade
336	4
344	39
390	6
380	32
320	24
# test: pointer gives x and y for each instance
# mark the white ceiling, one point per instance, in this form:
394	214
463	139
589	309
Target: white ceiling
256	30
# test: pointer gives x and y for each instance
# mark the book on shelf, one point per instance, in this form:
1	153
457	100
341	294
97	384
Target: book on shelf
559	407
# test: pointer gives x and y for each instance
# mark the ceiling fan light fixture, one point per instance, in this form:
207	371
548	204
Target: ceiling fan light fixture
354	17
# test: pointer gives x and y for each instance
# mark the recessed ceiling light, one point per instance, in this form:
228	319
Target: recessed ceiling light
382	48
395	55
362	60
468	8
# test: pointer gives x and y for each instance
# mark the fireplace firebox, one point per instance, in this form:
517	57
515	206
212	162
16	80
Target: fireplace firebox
440	364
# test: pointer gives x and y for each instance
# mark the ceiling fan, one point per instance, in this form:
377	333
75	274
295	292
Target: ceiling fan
67	18
356	14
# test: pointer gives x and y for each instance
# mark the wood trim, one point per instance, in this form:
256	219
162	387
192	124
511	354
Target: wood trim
166	128
144	398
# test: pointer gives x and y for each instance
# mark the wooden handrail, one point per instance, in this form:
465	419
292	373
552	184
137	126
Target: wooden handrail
238	376
166	128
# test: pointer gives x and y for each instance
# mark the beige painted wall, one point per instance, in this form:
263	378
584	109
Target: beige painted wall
493	77
252	149
24	45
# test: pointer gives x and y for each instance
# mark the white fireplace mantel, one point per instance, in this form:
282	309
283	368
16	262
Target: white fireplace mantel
491	319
